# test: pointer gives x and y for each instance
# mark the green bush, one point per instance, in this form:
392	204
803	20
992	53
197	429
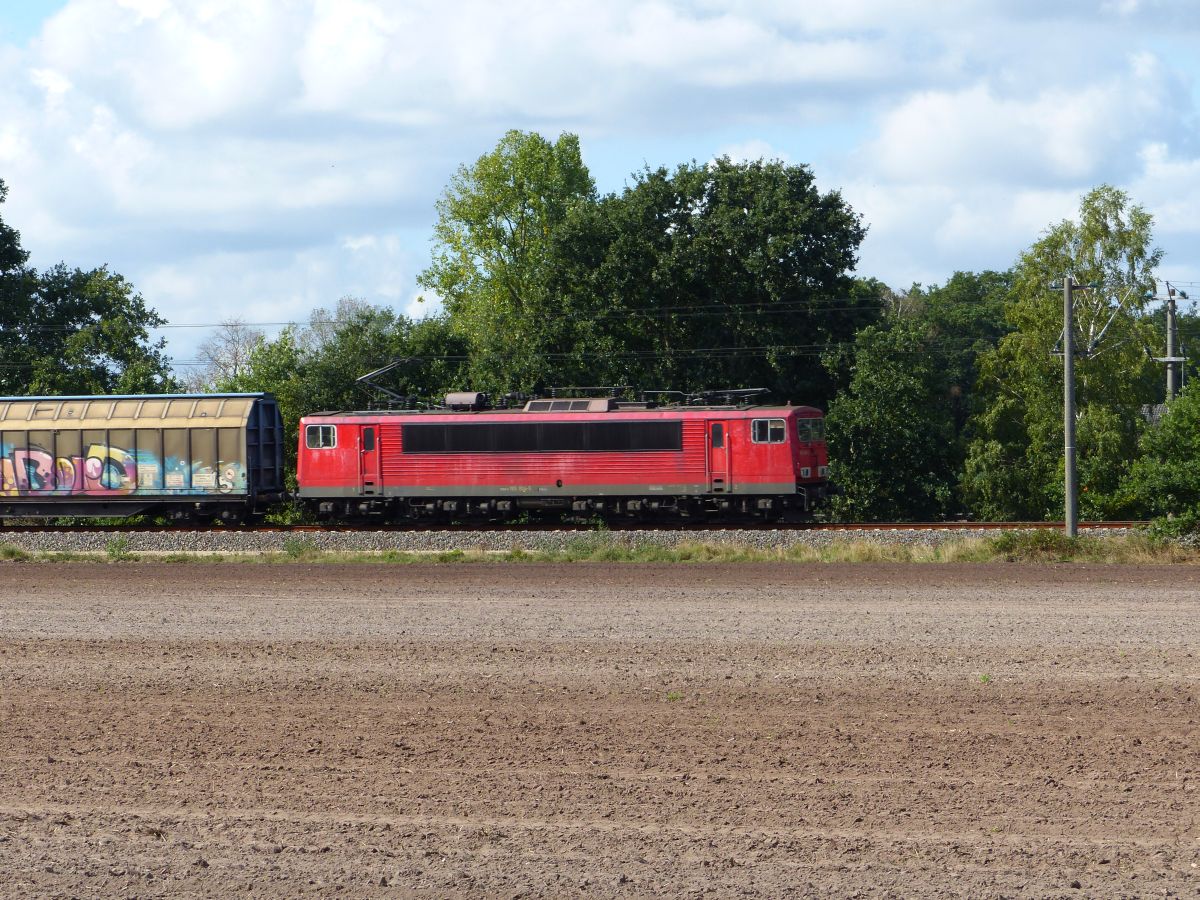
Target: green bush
292	513
298	547
117	548
1177	527
1042	545
1165	481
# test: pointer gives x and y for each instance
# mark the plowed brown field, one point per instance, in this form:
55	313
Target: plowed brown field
551	730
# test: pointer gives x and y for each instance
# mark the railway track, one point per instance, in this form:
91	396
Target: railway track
564	526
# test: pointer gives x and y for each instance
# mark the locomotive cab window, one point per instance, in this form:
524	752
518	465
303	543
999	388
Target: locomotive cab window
317	437
768	431
718	435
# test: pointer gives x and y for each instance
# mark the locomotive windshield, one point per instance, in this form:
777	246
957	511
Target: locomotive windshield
811	430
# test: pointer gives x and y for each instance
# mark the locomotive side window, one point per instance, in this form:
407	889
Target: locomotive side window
718	435
317	437
768	431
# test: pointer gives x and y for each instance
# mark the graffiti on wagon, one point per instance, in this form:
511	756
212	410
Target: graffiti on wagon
107	471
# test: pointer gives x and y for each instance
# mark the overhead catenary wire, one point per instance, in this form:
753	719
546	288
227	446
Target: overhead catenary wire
679	311
716	310
816	349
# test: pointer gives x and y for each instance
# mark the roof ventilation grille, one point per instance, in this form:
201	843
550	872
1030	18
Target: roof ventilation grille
578	404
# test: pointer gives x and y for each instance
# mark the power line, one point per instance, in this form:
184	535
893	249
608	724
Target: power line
680	311
814	349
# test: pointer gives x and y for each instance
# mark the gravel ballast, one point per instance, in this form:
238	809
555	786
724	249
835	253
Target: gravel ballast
220	541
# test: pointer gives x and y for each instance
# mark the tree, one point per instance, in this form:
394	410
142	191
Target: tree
892	442
1014	465
495	223
897	432
1165	479
715	275
18	284
316	367
12	257
965	318
70	331
224	354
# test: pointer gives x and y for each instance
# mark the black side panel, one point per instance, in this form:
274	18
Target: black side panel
542	437
264	447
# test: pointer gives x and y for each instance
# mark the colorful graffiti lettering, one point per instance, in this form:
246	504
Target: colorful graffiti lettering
110	471
8	477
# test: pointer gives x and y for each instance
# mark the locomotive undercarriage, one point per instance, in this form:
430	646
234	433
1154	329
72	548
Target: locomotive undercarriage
701	508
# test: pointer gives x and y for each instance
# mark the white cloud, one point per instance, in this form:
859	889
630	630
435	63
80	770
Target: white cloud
752	150
347	50
174	65
975	133
1169	186
1121	7
967	177
924	233
55	84
277	286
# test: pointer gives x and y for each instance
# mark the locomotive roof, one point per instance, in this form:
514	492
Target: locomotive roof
201	396
625	409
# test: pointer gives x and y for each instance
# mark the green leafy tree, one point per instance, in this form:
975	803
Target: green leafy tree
495	223
714	275
965	319
1014	465
18	285
898	430
1165	479
892	444
70	331
12	256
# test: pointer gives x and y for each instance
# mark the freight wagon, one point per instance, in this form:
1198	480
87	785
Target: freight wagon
189	456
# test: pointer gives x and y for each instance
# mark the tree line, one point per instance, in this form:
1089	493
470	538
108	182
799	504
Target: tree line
943	401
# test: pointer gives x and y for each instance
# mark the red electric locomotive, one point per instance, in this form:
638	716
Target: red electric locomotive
581	456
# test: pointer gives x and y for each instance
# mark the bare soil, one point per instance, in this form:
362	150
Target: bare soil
550	730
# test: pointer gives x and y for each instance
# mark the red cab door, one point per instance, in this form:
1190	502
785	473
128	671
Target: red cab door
718	457
369	459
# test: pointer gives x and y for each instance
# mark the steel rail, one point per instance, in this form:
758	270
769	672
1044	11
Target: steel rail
569	526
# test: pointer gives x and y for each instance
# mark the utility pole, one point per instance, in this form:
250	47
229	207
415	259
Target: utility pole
1072	485
1172	344
1174	359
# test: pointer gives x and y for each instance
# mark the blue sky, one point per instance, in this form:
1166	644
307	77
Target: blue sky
21	20
261	158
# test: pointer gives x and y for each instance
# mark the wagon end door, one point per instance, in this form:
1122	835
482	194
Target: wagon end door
718	458
368	443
